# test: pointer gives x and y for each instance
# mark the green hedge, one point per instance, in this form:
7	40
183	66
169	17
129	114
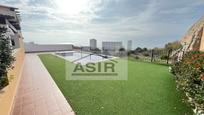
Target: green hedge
6	57
3	82
189	75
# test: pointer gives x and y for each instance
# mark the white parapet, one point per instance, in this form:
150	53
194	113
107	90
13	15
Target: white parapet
32	47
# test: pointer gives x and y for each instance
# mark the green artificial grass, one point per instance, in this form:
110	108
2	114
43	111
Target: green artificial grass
149	90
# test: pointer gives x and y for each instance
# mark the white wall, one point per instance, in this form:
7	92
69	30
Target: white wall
31	47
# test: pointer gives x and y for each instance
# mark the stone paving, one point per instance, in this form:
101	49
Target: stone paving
37	92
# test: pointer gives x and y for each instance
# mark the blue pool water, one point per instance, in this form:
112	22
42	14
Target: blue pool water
82	57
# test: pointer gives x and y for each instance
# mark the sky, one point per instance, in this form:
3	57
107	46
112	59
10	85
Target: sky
148	23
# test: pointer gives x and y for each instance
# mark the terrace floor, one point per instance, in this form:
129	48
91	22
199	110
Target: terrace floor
37	93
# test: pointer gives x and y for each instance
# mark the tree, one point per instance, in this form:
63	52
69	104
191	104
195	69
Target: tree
138	50
145	49
122	49
96	50
164	57
6	58
146	54
130	52
173	45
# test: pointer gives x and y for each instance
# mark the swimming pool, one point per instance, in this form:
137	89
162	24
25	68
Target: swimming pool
83	57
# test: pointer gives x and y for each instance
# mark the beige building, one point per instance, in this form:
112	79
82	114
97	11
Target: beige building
10	19
194	38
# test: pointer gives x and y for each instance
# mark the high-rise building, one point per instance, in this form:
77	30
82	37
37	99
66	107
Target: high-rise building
93	44
129	45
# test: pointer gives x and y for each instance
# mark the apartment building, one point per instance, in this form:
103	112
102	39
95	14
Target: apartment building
93	44
129	45
10	19
111	46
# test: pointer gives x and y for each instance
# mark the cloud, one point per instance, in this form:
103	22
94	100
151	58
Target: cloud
147	22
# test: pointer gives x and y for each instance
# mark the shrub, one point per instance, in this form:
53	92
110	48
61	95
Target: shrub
4	82
164	57
146	54
130	52
137	57
189	75
6	57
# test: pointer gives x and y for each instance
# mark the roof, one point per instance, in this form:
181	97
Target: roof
7	6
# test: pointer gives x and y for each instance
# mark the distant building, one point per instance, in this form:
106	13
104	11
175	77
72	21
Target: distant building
111	46
93	44
85	48
129	45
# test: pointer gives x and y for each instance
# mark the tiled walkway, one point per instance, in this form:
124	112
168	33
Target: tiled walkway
37	92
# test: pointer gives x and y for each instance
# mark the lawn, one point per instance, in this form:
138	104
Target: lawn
149	90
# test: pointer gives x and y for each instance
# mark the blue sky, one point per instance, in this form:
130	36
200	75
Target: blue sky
149	23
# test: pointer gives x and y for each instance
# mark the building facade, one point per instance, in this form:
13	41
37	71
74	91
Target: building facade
93	44
194	38
129	45
10	19
111	46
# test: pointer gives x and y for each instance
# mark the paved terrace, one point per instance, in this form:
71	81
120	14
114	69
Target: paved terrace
37	93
